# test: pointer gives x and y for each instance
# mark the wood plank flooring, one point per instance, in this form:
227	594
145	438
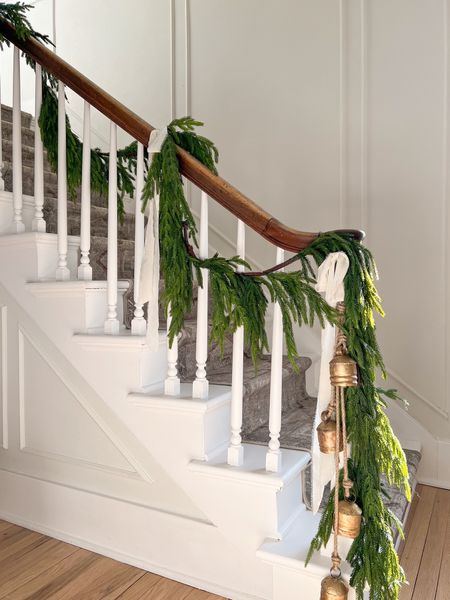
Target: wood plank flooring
36	567
425	555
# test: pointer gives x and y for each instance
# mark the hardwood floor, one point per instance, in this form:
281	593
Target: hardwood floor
425	555
34	566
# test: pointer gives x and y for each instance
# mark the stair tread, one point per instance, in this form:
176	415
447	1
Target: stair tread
297	427
6	111
221	373
253	466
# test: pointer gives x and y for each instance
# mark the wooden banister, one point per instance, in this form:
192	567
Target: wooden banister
217	188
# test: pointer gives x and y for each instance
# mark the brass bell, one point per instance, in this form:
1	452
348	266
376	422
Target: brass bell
349	519
333	588
343	371
326	432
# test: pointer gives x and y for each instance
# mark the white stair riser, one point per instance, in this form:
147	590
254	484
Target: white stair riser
33	256
199	432
86	308
6	212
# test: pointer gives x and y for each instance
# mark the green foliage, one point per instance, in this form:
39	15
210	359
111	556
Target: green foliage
164	178
238	300
182	131
15	15
375	449
126	157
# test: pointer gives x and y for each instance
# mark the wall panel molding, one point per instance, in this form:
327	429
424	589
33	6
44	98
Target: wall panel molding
21	350
418	396
23	340
363	119
445	201
172	42
4	373
343	113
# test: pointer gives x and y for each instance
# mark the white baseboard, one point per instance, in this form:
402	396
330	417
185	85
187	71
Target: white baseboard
439	483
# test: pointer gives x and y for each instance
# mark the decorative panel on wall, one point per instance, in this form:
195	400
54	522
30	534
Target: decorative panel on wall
3	376
53	422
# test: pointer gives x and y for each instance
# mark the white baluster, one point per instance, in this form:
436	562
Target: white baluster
18	224
273	456
172	382
62	271
38	223
2	182
84	268
236	449
112	322
138	323
200	387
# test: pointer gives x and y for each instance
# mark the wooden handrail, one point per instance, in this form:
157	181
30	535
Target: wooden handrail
224	193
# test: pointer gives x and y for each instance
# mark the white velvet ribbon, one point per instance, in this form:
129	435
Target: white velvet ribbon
330	282
149	280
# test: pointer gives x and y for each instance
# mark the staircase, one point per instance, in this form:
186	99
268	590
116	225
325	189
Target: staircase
97	452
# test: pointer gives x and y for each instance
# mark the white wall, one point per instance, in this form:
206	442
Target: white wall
328	114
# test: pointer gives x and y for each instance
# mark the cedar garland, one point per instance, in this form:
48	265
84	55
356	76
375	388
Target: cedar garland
241	300
126	157
238	300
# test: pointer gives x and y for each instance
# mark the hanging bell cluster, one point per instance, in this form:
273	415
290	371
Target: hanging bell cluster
333	588
332	436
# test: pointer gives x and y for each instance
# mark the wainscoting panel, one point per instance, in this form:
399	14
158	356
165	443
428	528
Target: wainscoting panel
52	421
4	376
46	432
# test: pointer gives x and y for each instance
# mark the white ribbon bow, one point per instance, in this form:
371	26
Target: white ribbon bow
330	282
149	279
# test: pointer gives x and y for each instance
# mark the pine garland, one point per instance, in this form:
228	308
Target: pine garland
126	157
240	300
16	15
375	449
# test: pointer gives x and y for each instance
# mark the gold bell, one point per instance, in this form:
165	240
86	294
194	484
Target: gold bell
333	588
343	371
349	519
326	432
